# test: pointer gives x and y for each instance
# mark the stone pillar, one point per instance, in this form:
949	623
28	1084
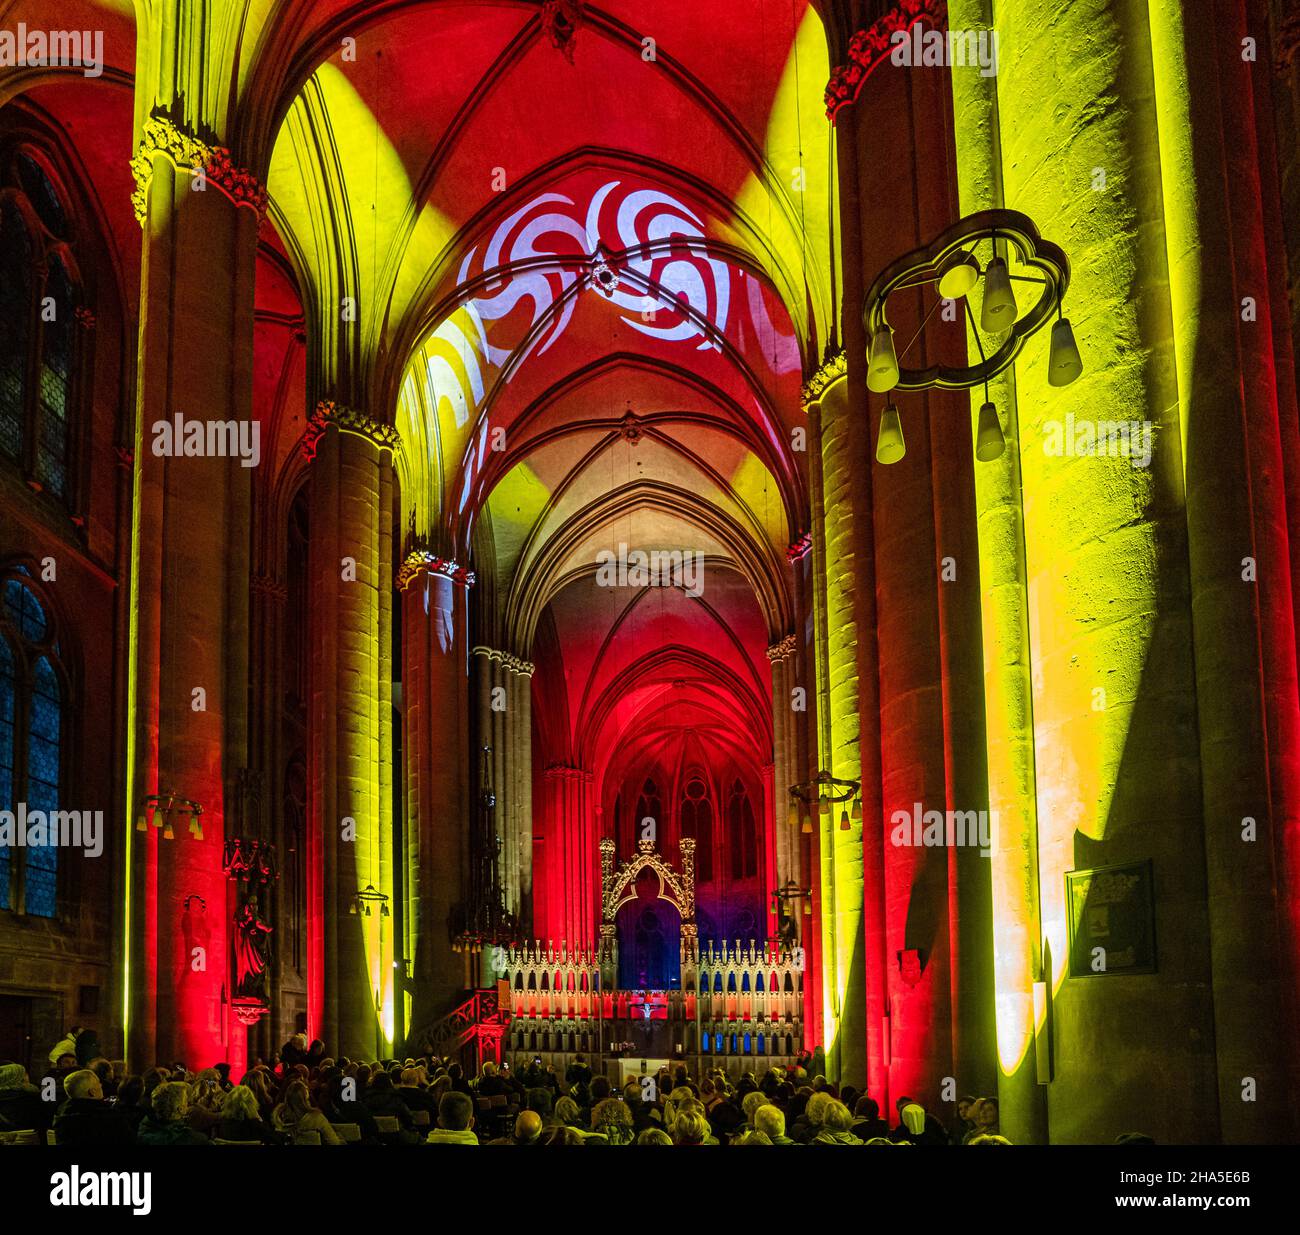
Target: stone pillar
836	512
350	723
574	859
435	698
1086	584
505	711
187	671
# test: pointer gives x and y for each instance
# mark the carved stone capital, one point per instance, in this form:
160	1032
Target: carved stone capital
507	660
870	48
423	561
346	419
800	547
782	650
188	153
832	369
271	588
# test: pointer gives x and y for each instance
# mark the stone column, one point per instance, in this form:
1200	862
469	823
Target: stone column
574	858
505	701
187	670
350	724
435	697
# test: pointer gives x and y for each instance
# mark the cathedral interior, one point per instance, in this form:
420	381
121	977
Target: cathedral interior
730	532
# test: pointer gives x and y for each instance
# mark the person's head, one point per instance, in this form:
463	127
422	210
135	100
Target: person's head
770	1120
297	1101
130	1090
836	1117
815	1111
241	1103
654	1136
752	1138
381	1083
489	1069
867	1108
913	1115
690	1128
410	1078
987	1115
83	1084
632	1091
988	1138
1134	1138
171	1102
528	1128
568	1112
206	1091
565	1136
751	1102
599	1089
455	1111
300	1041
12	1076
102	1068
65	1061
964	1105
905	1100
820	1084
610	1112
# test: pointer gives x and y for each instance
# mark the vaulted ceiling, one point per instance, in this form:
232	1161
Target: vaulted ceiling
582	270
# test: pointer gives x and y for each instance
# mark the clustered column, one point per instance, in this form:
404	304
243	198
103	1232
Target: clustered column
505	711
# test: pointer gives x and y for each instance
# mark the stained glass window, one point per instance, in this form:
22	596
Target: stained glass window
742	833
56	381
31	733
8	696
40	192
697	823
43	786
39	299
15	312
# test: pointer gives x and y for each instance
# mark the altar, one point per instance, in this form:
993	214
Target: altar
631	1069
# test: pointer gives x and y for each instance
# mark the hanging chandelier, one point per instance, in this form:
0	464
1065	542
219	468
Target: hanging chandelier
952	265
826	791
164	810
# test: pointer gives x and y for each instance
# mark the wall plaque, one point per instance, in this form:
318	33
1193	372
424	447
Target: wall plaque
1112	920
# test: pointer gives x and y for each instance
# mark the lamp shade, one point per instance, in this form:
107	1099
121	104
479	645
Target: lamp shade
999	310
989	442
1064	363
807	823
889	441
882	362
959	274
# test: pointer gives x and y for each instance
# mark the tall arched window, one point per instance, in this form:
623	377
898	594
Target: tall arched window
648	806
39	297
32	701
741	833
697	823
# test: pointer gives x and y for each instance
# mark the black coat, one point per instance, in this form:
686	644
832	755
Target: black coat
92	1121
23	1108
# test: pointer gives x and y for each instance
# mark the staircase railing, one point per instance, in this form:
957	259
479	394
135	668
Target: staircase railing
449	1033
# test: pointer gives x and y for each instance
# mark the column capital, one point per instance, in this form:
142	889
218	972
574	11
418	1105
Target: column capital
782	651
346	420
833	368
424	561
871	46
187	153
270	587
507	660
799	548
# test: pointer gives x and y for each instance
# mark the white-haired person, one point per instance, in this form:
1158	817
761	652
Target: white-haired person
770	1120
86	1118
837	1125
166	1124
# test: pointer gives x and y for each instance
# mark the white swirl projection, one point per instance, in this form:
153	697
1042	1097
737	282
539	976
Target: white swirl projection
663	270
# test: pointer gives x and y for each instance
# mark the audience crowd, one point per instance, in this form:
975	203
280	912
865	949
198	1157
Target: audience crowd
309	1097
